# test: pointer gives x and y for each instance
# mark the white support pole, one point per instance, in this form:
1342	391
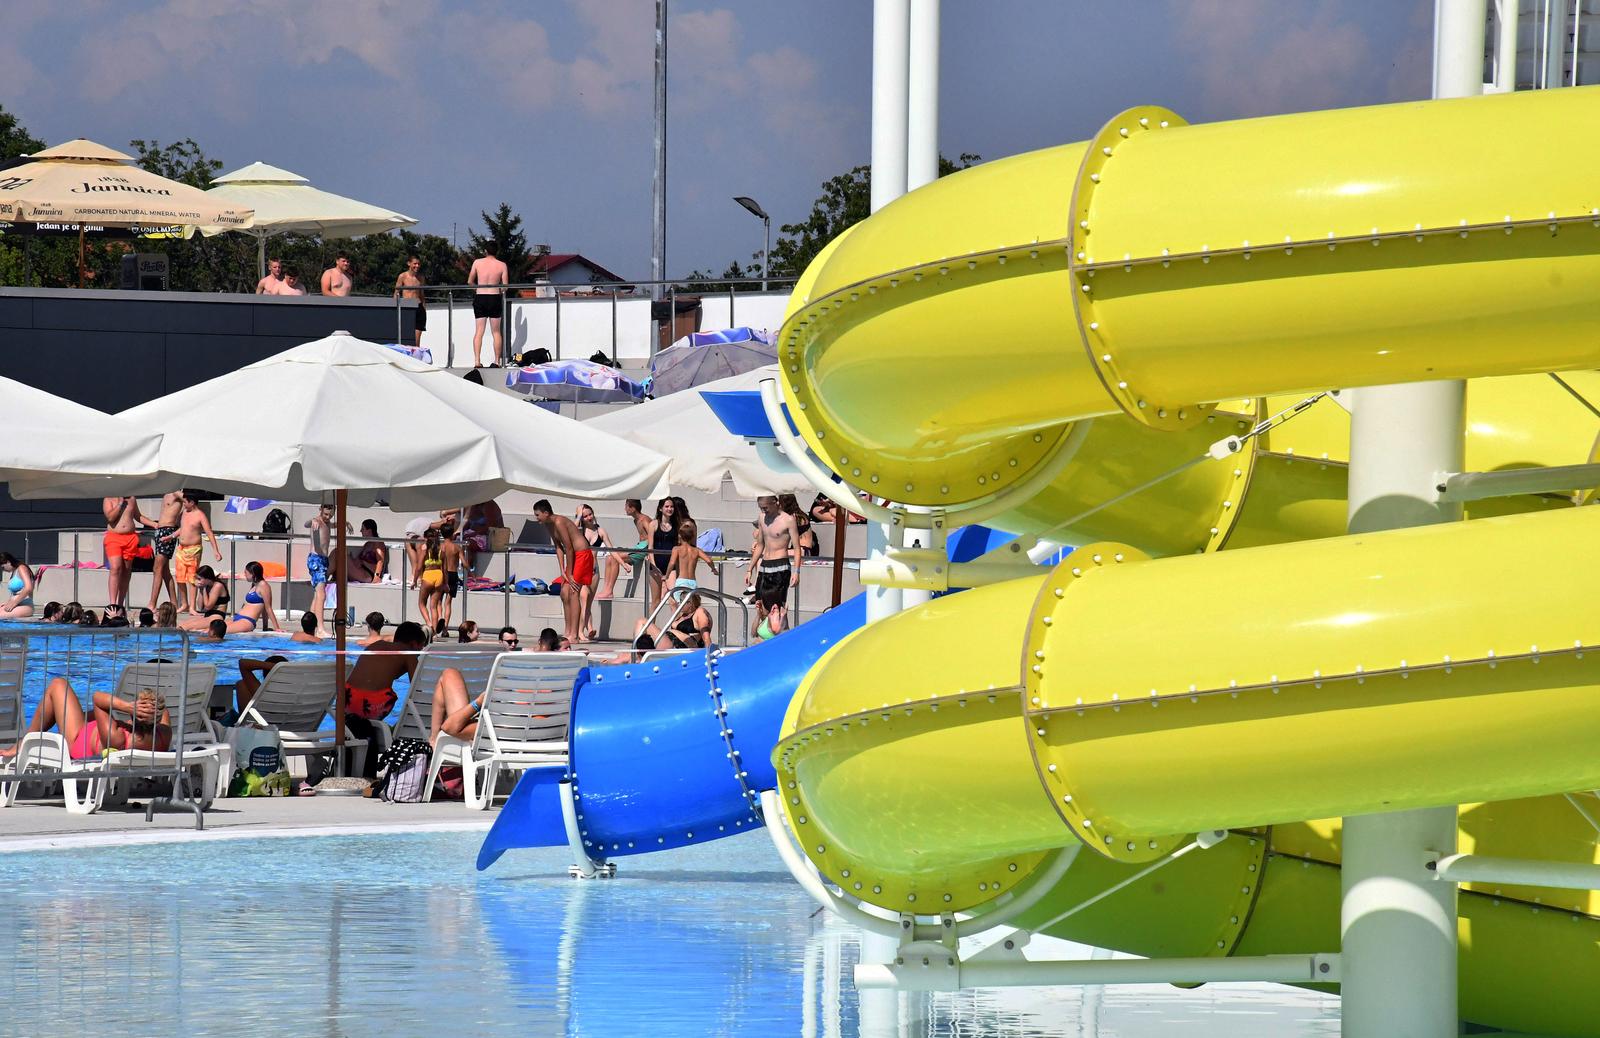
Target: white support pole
883	601
891	25
1505	64
891	30
1397	920
922	117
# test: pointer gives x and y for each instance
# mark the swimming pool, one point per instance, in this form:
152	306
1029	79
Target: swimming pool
396	935
92	664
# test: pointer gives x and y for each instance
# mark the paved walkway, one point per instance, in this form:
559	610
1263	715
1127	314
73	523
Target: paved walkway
46	824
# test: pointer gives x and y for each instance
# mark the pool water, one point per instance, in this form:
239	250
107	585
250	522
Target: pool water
92	663
395	935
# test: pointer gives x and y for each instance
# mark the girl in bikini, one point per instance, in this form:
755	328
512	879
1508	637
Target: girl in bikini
88	737
20	587
430	580
257	605
211	600
597	539
691	631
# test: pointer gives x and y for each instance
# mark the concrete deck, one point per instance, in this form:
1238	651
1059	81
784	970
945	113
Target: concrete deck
45	825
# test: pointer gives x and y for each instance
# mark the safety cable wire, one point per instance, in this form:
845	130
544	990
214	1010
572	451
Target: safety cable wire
1260	428
1564	384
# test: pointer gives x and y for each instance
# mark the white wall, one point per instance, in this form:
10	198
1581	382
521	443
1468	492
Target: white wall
587	324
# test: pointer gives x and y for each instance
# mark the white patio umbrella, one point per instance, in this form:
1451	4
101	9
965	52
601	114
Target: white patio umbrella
83	182
350	417
344	414
47	434
285	202
703	452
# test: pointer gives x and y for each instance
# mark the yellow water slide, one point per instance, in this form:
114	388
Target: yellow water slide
941	350
1173	285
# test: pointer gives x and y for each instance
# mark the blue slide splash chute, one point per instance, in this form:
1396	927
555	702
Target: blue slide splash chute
670	752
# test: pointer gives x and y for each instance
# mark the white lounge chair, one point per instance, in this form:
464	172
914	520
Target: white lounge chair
13	671
475	661
201	745
523	723
294	698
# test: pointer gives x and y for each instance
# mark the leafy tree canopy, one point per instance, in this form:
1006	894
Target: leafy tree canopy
846	200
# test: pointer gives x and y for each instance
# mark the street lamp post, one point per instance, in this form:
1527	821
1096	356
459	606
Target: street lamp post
766	233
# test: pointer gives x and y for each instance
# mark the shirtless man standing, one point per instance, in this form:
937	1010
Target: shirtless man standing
164	543
576	560
336	279
409	284
488	303
192	527
775	563
369	688
272	284
122	544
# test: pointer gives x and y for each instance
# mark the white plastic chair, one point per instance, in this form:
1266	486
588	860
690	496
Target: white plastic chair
523	723
475	661
294	698
13	668
201	746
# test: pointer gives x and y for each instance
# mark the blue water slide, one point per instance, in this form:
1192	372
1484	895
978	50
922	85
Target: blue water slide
670	752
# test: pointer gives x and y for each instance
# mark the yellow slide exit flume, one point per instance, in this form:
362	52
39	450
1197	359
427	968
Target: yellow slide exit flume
939	351
932	761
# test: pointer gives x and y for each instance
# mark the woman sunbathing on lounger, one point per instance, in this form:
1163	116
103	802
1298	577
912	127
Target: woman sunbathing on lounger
87	737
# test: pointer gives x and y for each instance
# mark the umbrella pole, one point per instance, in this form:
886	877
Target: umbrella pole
841	525
81	268
261	256
341	500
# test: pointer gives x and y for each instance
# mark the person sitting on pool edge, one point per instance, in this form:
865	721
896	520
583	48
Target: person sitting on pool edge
369	690
149	729
375	625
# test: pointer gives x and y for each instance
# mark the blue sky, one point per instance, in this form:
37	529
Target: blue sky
442	108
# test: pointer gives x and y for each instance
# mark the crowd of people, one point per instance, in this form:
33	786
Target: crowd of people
440	555
488	274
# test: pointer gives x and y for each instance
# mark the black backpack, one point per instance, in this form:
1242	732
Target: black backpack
277	521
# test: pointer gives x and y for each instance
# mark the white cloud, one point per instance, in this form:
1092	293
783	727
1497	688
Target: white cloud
1259	57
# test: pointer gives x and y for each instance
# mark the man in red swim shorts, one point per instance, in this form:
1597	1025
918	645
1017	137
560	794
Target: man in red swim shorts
122	544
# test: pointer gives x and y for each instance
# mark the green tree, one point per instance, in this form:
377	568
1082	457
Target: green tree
15	140
846	200
182	161
222	263
24	258
504	228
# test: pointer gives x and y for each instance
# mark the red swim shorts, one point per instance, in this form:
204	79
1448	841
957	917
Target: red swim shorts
122	546
583	568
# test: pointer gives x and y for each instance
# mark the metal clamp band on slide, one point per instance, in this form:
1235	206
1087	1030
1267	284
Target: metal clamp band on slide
1096	166
719	709
1005	908
840	493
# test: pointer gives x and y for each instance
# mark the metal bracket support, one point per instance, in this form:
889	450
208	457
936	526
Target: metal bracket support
1479	868
1553	479
584	867
926	966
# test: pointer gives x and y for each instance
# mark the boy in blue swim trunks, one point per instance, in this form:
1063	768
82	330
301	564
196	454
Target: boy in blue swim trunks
321	527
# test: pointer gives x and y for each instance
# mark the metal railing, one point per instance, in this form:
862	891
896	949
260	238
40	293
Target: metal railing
72	655
615	292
